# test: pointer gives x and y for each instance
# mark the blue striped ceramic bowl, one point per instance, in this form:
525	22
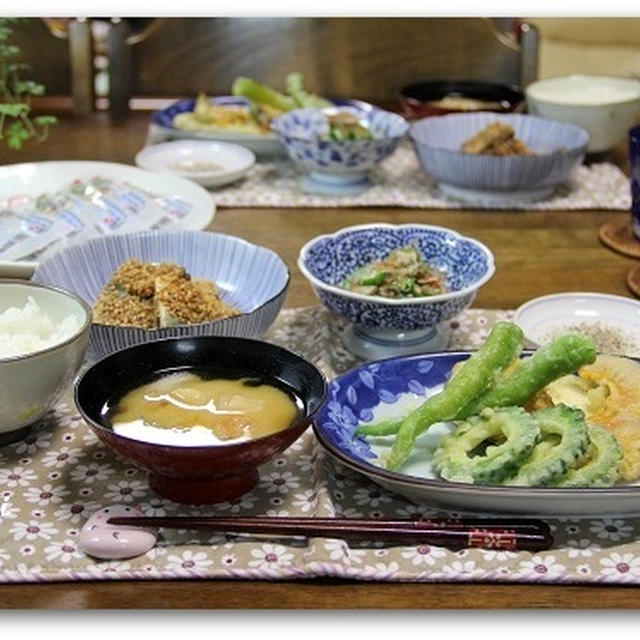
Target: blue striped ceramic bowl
558	147
251	278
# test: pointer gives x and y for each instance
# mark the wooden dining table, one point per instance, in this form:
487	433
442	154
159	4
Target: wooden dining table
536	252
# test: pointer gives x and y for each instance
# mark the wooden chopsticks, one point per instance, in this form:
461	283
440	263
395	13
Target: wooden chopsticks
506	534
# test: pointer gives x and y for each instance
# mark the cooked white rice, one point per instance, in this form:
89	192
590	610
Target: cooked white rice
30	329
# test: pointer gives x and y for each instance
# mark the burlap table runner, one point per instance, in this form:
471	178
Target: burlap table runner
53	480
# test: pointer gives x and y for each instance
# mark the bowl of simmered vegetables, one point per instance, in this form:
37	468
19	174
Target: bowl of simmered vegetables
397	286
337	146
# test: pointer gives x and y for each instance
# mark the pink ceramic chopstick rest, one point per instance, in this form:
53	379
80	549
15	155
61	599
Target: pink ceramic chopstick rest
100	539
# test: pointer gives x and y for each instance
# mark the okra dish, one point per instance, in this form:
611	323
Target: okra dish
403	273
562	416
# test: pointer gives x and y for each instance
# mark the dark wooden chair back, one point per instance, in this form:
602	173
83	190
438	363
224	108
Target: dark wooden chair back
366	58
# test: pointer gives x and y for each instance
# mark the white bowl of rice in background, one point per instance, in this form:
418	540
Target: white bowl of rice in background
44	332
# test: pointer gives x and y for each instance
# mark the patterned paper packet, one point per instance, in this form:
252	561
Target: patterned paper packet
149	211
27	227
100	213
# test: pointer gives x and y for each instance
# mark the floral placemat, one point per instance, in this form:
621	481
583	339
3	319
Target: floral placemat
51	481
399	181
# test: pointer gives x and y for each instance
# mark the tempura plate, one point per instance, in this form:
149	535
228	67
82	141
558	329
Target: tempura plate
391	387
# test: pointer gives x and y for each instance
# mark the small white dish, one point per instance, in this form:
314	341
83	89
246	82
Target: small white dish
613	322
208	162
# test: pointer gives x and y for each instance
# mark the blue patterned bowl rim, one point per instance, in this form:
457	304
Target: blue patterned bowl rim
370	469
156	234
365	108
400	301
582	135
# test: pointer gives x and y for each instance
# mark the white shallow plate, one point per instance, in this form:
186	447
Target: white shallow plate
207	162
543	317
35	178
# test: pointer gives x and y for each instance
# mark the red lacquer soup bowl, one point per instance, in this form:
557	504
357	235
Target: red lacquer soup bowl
200	474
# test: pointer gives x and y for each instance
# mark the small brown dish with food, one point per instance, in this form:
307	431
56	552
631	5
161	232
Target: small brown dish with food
200	414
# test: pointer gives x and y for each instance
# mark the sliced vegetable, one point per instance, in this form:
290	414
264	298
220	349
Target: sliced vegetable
294	86
601	465
474	376
488	448
564	439
262	94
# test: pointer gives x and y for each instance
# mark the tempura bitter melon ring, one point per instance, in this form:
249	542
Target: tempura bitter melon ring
601	465
474	376
488	448
564	439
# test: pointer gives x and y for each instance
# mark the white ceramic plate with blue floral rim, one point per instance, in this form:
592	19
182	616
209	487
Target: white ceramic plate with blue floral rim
392	387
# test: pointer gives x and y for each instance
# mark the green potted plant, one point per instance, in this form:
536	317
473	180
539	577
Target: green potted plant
17	122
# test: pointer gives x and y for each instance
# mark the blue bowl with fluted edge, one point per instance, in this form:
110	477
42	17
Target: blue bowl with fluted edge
251	278
336	164
558	148
383	327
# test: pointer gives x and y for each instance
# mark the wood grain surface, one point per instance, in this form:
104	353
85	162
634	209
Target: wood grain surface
536	253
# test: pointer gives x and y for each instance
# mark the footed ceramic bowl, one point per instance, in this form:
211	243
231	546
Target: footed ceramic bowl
382	327
251	278
338	167
199	474
557	147
31	383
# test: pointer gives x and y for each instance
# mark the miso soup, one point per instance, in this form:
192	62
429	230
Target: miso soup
186	408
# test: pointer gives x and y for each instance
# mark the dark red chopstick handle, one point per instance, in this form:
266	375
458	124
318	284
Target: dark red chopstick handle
513	535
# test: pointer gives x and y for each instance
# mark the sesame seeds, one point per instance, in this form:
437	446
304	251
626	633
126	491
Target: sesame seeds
607	338
149	295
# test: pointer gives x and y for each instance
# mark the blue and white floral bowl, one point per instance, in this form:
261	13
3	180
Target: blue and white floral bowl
383	327
251	278
338	167
558	147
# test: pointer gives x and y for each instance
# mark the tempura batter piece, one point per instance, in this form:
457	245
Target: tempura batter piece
615	405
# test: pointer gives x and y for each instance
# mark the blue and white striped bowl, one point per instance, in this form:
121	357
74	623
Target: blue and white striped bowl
328	259
253	279
299	132
558	148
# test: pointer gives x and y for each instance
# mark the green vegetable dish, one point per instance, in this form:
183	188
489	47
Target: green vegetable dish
505	430
344	125
402	274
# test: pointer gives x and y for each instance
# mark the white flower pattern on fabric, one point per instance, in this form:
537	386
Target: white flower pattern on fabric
32	530
16	477
47	494
64	551
611	529
624	567
62	457
270	556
